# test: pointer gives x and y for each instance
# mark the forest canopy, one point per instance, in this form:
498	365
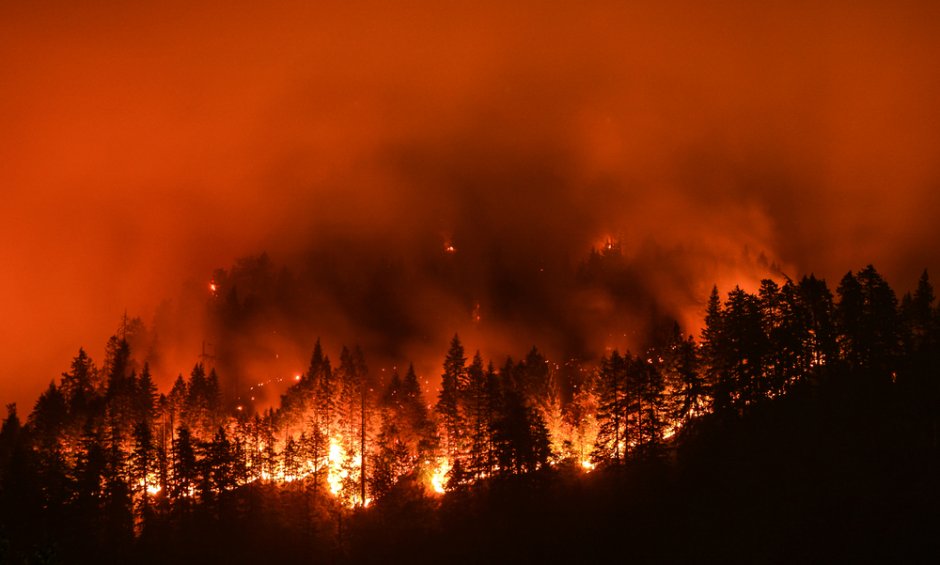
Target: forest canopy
104	458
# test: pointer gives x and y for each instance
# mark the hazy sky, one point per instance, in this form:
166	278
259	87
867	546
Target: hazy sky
144	144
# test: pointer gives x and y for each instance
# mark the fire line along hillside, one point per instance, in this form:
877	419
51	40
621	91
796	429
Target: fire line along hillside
801	424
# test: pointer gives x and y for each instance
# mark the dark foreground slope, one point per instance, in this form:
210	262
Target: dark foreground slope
832	472
822	475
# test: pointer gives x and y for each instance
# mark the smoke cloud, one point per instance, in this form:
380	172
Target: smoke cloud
145	146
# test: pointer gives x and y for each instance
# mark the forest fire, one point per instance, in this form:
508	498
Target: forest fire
439	476
337	472
348	438
555	186
360	434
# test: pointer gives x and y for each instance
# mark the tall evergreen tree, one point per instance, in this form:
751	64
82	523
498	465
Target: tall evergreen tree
745	346
868	325
448	400
520	437
650	410
80	385
475	416
144	471
688	386
715	355
415	411
185	473
821	344
613	410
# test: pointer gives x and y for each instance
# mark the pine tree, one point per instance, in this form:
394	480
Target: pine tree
918	319
688	386
475	417
355	409
612	410
420	429
745	345
392	459
90	472
650	410
448	400
185	474
849	318
118	510
314	447
520	437
868	325
121	386
220	463
79	385
145	397
325	394
821	341
144	469
715	356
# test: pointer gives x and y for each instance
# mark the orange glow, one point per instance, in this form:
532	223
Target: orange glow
439	477
145	146
336	472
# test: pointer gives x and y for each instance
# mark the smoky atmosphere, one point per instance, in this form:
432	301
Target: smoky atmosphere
145	146
469	282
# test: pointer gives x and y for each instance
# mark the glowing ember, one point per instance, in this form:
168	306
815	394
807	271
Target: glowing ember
213	288
449	248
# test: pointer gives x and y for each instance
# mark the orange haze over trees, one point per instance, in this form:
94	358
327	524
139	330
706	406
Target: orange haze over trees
146	144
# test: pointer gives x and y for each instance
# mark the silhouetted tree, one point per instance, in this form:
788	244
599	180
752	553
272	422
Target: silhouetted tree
689	389
868	324
746	345
145	397
448	400
185	473
118	511
520	436
821	340
80	385
613	406
716	356
355	410
144	471
415	413
476	418
648	405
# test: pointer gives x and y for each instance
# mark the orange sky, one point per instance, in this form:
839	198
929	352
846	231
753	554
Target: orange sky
144	144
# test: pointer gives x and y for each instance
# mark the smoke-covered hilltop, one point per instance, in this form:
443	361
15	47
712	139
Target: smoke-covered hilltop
257	320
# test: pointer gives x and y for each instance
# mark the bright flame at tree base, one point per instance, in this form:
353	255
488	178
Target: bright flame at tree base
336	474
439	475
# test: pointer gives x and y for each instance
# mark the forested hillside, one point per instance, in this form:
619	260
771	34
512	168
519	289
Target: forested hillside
800	425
